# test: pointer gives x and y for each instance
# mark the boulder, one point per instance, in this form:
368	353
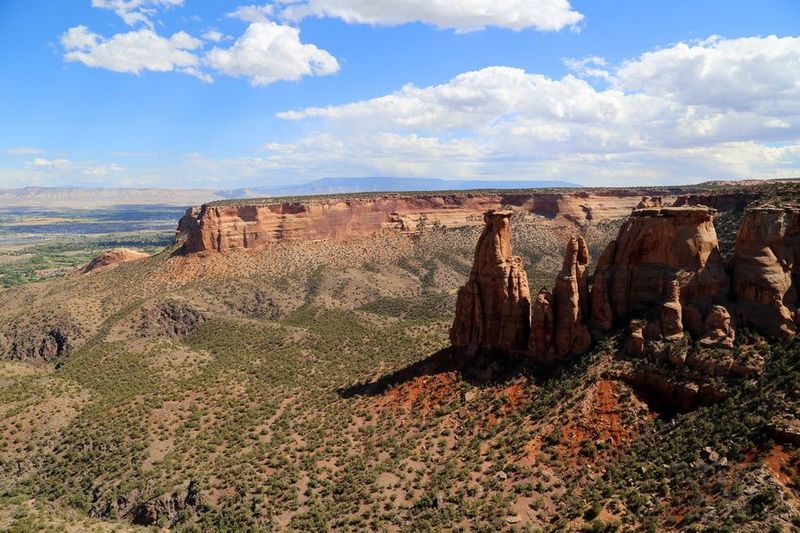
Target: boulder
493	308
171	318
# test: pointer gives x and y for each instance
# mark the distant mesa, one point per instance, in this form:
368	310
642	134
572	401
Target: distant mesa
113	258
256	223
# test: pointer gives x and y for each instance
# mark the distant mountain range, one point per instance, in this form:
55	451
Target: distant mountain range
97	197
378	184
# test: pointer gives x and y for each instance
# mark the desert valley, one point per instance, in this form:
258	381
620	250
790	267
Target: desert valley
400	266
587	359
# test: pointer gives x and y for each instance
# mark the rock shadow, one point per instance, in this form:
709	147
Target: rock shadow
480	371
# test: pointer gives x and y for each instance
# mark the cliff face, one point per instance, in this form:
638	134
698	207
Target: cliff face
493	308
765	270
654	248
255	224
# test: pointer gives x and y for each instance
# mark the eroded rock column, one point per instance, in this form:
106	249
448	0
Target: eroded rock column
493	308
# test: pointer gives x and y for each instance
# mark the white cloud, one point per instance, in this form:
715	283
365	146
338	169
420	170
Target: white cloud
253	13
589	67
66	167
42	163
268	52
747	74
23	150
136	11
134	51
216	36
462	15
647	125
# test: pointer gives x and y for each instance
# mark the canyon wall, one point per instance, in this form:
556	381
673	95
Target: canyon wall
253	224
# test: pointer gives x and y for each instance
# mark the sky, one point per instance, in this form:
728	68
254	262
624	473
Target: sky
189	93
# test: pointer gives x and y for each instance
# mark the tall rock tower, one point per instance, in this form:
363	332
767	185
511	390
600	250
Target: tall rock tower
493	308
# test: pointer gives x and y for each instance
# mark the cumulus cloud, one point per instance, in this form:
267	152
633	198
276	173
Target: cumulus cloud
136	11
134	51
646	124
461	15
748	74
268	52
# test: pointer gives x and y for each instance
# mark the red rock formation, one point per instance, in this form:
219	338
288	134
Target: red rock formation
653	248
635	343
717	330
765	270
650	201
112	258
570	296
671	319
253	224
542	326
493	308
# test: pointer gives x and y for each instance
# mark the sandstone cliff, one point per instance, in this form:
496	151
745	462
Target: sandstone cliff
655	247
493	308
253	224
765	270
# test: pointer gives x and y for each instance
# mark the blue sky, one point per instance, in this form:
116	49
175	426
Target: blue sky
183	93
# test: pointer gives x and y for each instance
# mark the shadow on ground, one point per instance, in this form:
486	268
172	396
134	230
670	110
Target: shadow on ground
479	371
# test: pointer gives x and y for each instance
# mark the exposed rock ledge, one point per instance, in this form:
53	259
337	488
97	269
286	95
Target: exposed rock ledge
253	224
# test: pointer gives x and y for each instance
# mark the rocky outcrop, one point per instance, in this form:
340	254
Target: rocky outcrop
112	258
43	343
171	319
254	224
570	295
721	201
493	308
718	330
765	270
650	201
671	319
655	247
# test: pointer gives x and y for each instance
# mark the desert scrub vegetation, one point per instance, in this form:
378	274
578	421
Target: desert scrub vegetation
278	412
